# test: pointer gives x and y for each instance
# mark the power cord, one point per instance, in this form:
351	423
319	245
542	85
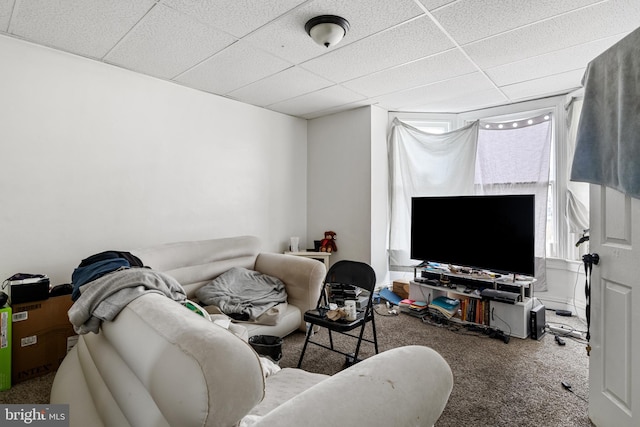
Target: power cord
575	286
500	319
567	387
389	313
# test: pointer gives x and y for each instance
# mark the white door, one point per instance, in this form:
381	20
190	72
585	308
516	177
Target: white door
614	364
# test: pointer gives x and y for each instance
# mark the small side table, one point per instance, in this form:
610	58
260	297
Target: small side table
320	256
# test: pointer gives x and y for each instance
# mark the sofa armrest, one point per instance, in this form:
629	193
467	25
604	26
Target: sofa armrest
303	278
405	386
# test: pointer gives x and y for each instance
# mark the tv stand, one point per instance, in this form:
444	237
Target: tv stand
510	319
474	279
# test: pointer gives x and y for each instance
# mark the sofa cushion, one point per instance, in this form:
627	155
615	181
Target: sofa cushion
284	385
270	317
288	322
194	263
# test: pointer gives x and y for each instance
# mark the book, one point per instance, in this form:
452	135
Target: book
446	306
405	305
446	303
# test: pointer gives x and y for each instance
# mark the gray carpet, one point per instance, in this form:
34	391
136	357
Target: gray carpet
495	384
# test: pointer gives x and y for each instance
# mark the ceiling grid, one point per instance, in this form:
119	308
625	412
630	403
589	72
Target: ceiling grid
402	55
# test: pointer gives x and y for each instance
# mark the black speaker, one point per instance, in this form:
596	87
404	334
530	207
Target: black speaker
537	322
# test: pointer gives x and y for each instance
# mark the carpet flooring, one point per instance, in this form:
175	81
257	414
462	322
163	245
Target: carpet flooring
495	384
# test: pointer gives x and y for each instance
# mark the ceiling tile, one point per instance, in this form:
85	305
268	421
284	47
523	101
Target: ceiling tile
592	23
434	4
320	100
287	38
6	6
459	104
167	43
236	17
84	27
471	20
429	55
344	107
284	85
571	58
434	68
414	40
234	67
545	86
437	92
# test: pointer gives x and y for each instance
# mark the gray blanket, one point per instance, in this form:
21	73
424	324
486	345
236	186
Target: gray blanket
608	142
103	298
243	294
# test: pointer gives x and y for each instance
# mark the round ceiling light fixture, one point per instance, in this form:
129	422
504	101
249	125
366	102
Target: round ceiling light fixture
327	30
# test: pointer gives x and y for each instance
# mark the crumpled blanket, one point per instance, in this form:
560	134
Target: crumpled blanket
103	298
243	294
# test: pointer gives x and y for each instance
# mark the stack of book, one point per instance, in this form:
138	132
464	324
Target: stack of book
444	306
414	308
339	293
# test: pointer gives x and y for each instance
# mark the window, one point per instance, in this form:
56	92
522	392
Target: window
560	242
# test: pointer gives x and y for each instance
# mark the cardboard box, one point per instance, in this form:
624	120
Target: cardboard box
41	333
5	348
401	288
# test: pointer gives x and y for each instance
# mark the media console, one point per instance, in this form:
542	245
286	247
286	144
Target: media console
505	305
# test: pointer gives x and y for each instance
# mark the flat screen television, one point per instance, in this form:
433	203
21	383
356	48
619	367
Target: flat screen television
495	232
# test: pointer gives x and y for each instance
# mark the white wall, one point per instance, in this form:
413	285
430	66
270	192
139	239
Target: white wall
379	194
339	186
348	184
566	286
95	157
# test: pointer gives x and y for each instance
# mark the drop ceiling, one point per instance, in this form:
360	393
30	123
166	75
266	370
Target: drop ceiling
402	55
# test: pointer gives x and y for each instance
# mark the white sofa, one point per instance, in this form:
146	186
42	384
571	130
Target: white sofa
196	263
159	364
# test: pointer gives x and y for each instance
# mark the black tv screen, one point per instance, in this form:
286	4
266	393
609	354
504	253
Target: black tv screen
494	232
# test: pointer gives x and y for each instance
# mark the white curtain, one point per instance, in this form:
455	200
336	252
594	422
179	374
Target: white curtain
425	164
514	158
577	209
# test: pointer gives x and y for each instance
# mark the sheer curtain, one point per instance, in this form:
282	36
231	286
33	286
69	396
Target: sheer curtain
425	164
514	158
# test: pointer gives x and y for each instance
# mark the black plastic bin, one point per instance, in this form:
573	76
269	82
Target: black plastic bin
267	345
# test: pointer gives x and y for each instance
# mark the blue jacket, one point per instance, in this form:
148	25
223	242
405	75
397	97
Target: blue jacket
84	275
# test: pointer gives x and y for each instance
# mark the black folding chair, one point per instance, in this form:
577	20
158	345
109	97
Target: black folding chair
349	273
